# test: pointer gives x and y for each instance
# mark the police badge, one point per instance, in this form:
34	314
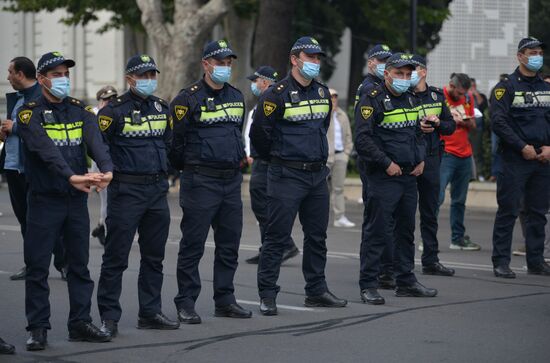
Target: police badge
434	96
321	93
158	106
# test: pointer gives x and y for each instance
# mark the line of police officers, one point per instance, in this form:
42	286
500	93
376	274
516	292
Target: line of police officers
398	123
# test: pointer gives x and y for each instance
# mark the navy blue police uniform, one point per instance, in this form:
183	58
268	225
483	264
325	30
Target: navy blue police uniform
56	138
138	131
387	129
208	146
432	102
520	113
381	52
258	176
289	129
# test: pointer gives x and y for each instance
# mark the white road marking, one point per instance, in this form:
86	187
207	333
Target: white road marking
279	306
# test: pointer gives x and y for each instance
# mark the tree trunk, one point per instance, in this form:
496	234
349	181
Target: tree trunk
239	32
357	63
179	45
272	41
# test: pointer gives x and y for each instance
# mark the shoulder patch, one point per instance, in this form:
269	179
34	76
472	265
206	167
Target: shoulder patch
180	111
280	87
104	122
366	111
269	108
25	116
499	92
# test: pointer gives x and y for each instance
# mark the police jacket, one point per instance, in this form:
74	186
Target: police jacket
56	137
432	102
291	122
520	111
387	129
139	133
208	127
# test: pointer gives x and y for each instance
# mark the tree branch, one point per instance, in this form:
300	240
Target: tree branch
153	21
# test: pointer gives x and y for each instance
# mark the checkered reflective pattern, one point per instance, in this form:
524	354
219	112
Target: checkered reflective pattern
48	62
140	66
72	142
307	116
398	125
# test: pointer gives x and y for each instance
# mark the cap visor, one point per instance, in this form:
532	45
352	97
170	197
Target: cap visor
314	51
143	70
68	62
224	55
252	77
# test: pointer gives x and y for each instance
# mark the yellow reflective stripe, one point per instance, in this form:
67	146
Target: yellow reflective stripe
321	101
430	109
400	115
144	126
220	114
306	110
62	132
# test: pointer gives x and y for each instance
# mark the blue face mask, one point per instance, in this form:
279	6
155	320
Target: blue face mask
255	90
221	74
379	71
534	63
310	70
400	85
146	87
414	79
61	87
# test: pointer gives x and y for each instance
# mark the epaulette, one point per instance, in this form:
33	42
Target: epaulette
75	102
90	109
436	89
160	100
193	88
320	82
373	90
280	87
31	104
119	100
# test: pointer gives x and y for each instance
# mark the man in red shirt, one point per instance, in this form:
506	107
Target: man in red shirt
456	163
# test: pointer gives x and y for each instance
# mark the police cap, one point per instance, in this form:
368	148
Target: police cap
106	93
140	64
51	60
380	52
307	45
399	60
217	49
264	72
419	60
529	43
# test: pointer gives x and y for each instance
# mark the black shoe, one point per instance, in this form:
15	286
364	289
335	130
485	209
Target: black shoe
99	233
110	327
188	316
254	260
291	252
232	311
19	275
326	300
371	296
542	269
415	290
437	269
268	306
6	348
386	282
504	271
158	321
84	331
38	339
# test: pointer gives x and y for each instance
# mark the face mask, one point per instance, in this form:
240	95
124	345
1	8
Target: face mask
534	63
146	87
220	74
414	79
61	87
310	70
379	71
400	85
255	90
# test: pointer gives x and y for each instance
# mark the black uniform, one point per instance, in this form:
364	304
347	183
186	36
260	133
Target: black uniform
433	103
387	129
139	133
520	114
289	129
56	137
208	146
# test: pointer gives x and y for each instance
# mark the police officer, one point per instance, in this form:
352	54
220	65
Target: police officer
137	128
57	132
262	78
290	130
376	63
435	120
388	136
208	146
520	111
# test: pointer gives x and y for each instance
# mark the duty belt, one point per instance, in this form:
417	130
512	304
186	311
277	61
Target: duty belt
139	179
307	166
213	172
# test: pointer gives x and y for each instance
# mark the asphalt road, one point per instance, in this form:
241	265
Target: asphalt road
475	318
